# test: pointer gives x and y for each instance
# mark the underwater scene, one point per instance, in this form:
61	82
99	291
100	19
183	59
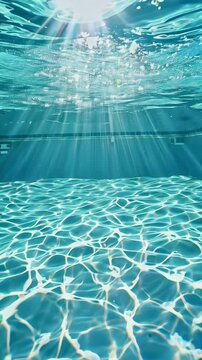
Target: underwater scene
100	179
106	269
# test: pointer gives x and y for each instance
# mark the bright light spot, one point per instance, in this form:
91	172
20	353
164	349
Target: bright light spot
85	10
90	10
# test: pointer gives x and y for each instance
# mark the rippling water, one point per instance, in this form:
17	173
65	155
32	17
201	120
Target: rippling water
147	56
101	269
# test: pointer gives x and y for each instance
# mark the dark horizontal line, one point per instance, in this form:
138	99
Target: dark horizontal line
115	134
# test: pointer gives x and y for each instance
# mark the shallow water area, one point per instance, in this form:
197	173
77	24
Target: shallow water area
101	269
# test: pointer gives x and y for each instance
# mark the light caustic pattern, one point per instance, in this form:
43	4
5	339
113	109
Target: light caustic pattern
101	269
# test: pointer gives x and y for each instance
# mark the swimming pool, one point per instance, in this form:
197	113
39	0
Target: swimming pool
101	269
100	180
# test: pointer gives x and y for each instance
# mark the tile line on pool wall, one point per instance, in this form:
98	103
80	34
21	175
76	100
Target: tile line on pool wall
96	135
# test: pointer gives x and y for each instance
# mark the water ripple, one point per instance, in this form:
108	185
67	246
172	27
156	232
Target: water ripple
149	56
106	269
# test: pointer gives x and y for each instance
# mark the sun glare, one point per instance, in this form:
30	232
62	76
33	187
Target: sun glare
85	11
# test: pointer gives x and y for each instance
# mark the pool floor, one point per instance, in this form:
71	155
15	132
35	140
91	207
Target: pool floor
101	269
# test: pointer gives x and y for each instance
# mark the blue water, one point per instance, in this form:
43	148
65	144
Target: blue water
100	179
148	56
106	269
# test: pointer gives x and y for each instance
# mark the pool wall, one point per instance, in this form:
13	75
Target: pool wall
99	158
155	143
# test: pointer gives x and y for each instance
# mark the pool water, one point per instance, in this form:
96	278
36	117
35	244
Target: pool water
101	269
91	268
146	57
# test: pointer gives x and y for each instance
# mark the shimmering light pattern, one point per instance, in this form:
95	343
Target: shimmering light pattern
105	269
148	56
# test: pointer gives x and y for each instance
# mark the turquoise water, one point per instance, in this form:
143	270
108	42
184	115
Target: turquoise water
148	56
101	269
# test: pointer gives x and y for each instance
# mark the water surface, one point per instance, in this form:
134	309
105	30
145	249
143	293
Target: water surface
147	56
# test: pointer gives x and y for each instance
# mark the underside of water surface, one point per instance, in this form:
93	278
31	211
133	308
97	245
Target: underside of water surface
148	55
100	180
